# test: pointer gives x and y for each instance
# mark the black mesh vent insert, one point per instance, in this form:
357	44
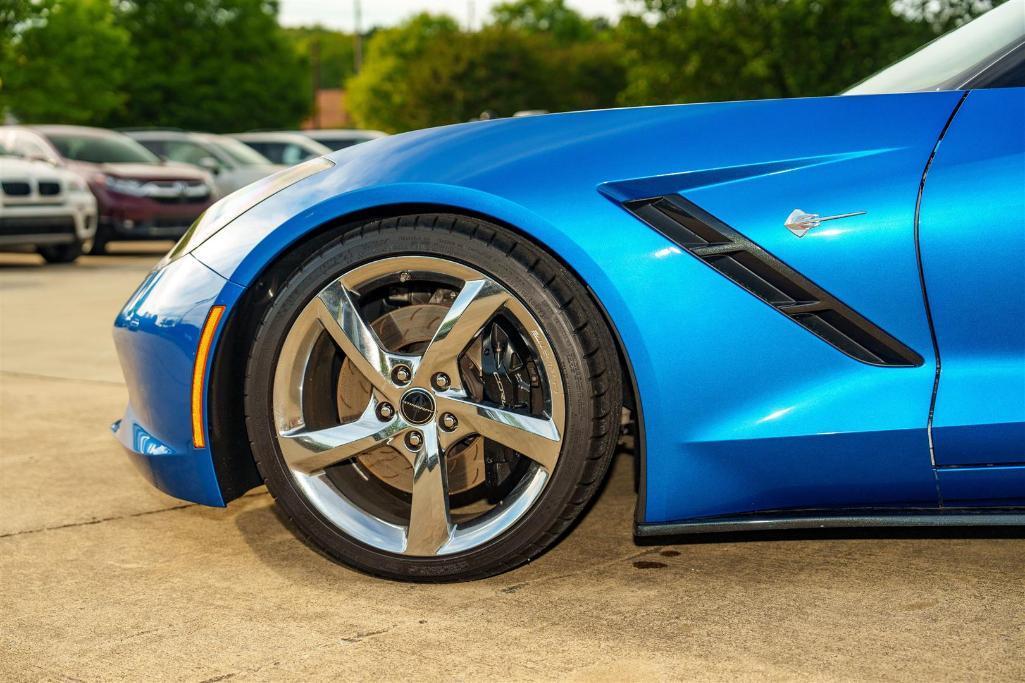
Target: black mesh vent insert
774	282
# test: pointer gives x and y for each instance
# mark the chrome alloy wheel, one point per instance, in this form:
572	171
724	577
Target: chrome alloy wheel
429	403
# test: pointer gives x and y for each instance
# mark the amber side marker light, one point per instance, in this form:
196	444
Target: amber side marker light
206	338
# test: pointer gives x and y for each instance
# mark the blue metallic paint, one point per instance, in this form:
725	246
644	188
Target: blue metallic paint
982	486
156	335
743	410
973	257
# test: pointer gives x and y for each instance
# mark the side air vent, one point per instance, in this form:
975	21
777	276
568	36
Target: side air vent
772	281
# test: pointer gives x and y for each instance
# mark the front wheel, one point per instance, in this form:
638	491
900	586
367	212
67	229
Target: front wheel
432	398
61	253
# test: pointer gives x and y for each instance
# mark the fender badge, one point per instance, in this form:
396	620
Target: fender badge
799	222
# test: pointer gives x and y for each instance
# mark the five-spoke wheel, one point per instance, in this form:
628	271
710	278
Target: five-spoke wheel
420	403
421	407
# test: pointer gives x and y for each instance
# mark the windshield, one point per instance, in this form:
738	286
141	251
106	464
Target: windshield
239	152
953	58
101	149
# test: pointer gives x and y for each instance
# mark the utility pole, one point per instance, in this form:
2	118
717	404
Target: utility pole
357	35
315	65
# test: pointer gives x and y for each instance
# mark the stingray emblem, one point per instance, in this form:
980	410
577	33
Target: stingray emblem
799	222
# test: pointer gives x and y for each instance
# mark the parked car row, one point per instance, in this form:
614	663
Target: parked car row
232	164
283	147
287	147
138	195
68	190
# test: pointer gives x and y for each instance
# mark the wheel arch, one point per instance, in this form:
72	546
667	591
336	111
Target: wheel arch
230	447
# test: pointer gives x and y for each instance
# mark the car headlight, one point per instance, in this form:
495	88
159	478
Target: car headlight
237	203
127	186
77	184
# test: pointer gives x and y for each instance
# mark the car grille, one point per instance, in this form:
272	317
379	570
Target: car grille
750	266
178	191
49	188
16	189
36	225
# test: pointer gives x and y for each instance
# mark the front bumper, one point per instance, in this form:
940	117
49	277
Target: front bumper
135	218
157	336
157	229
48	224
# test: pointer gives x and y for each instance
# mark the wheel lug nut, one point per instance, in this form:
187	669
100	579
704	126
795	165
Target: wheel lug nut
441	381
414	440
449	422
401	374
385	412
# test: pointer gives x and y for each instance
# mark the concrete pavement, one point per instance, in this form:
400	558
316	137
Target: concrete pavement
104	578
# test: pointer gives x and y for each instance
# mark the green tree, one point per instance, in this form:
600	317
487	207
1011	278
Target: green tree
333	49
379	96
592	74
427	72
216	65
12	13
943	15
67	64
707	50
495	69
552	17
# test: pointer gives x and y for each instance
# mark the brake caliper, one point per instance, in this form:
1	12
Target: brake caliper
511	382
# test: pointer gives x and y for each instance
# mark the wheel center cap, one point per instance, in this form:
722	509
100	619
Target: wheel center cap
417	406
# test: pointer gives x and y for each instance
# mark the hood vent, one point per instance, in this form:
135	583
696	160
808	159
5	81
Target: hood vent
774	282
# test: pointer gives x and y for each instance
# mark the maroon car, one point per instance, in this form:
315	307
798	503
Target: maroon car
138	195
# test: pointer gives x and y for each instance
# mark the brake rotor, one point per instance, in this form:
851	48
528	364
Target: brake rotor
406	329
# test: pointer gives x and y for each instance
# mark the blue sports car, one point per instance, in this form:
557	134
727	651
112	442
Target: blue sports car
808	312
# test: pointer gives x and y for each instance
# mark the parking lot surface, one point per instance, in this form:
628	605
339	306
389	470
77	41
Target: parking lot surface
103	577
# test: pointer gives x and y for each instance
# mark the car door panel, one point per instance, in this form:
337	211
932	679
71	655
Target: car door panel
972	238
849	434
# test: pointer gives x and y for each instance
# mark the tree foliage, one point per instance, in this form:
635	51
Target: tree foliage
427	72
943	15
379	96
216	65
56	71
12	13
225	65
333	49
551	17
494	69
706	50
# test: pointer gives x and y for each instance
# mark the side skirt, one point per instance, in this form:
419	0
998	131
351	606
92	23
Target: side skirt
996	517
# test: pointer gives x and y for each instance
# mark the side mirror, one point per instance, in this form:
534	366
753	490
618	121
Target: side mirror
210	164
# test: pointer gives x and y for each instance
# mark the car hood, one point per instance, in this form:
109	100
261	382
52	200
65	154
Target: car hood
13	167
543	173
145	171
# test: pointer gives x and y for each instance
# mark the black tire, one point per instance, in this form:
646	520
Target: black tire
61	253
578	335
100	241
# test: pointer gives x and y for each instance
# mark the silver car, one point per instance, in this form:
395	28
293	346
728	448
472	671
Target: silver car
283	148
232	164
340	138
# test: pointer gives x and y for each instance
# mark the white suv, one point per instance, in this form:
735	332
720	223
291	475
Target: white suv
44	207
